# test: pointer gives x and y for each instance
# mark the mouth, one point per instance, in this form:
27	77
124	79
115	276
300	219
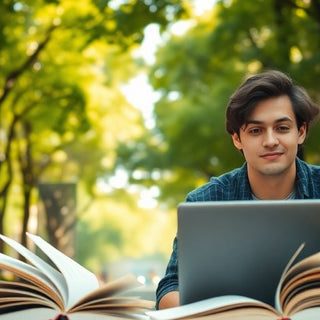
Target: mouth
271	155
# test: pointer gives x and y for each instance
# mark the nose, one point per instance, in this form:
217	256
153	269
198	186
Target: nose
270	139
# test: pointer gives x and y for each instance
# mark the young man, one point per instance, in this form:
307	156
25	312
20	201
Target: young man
268	118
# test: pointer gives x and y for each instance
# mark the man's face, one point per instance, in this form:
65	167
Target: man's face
270	138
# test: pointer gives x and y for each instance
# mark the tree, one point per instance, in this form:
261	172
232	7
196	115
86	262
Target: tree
54	55
195	74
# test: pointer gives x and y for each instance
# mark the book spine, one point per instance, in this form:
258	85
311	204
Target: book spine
61	317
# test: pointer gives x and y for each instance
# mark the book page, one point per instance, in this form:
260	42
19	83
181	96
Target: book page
47	314
31	314
110	289
37	298
210	306
309	314
308	265
79	280
23	270
308	279
12	292
309	298
31	274
55	277
114	298
278	305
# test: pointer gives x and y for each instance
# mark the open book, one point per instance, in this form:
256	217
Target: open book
62	289
297	298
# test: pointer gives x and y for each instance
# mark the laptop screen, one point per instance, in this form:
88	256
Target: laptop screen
242	247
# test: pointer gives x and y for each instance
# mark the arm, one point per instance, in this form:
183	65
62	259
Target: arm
169	300
167	294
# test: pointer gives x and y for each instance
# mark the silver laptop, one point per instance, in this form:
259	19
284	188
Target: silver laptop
242	247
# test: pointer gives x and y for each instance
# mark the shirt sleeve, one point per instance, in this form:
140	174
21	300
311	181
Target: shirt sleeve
170	280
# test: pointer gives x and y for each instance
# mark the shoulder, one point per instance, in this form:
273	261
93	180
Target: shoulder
229	186
308	180
306	169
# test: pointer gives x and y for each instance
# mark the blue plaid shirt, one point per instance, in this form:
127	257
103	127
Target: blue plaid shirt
234	185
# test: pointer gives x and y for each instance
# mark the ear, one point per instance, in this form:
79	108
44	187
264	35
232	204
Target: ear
302	133
236	141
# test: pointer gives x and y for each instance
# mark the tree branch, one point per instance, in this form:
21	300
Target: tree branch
15	74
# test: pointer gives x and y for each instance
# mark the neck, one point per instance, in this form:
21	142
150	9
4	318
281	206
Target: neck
268	187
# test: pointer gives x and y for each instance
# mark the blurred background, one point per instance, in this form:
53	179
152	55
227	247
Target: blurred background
112	110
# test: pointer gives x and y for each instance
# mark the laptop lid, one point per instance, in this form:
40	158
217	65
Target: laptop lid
242	247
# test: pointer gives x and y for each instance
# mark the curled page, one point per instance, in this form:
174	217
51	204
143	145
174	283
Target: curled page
55	276
79	280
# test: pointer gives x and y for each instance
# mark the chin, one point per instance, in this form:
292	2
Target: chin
274	170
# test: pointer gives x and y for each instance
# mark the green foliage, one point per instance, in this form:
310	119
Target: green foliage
117	228
61	109
196	73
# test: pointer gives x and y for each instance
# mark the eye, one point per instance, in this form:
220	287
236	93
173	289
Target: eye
283	128
254	131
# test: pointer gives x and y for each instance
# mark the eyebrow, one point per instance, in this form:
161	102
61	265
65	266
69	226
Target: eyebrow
283	119
259	122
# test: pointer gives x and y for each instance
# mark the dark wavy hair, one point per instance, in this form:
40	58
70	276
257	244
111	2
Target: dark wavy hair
263	86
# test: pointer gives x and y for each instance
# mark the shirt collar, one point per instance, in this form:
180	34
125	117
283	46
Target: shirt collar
244	190
302	181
